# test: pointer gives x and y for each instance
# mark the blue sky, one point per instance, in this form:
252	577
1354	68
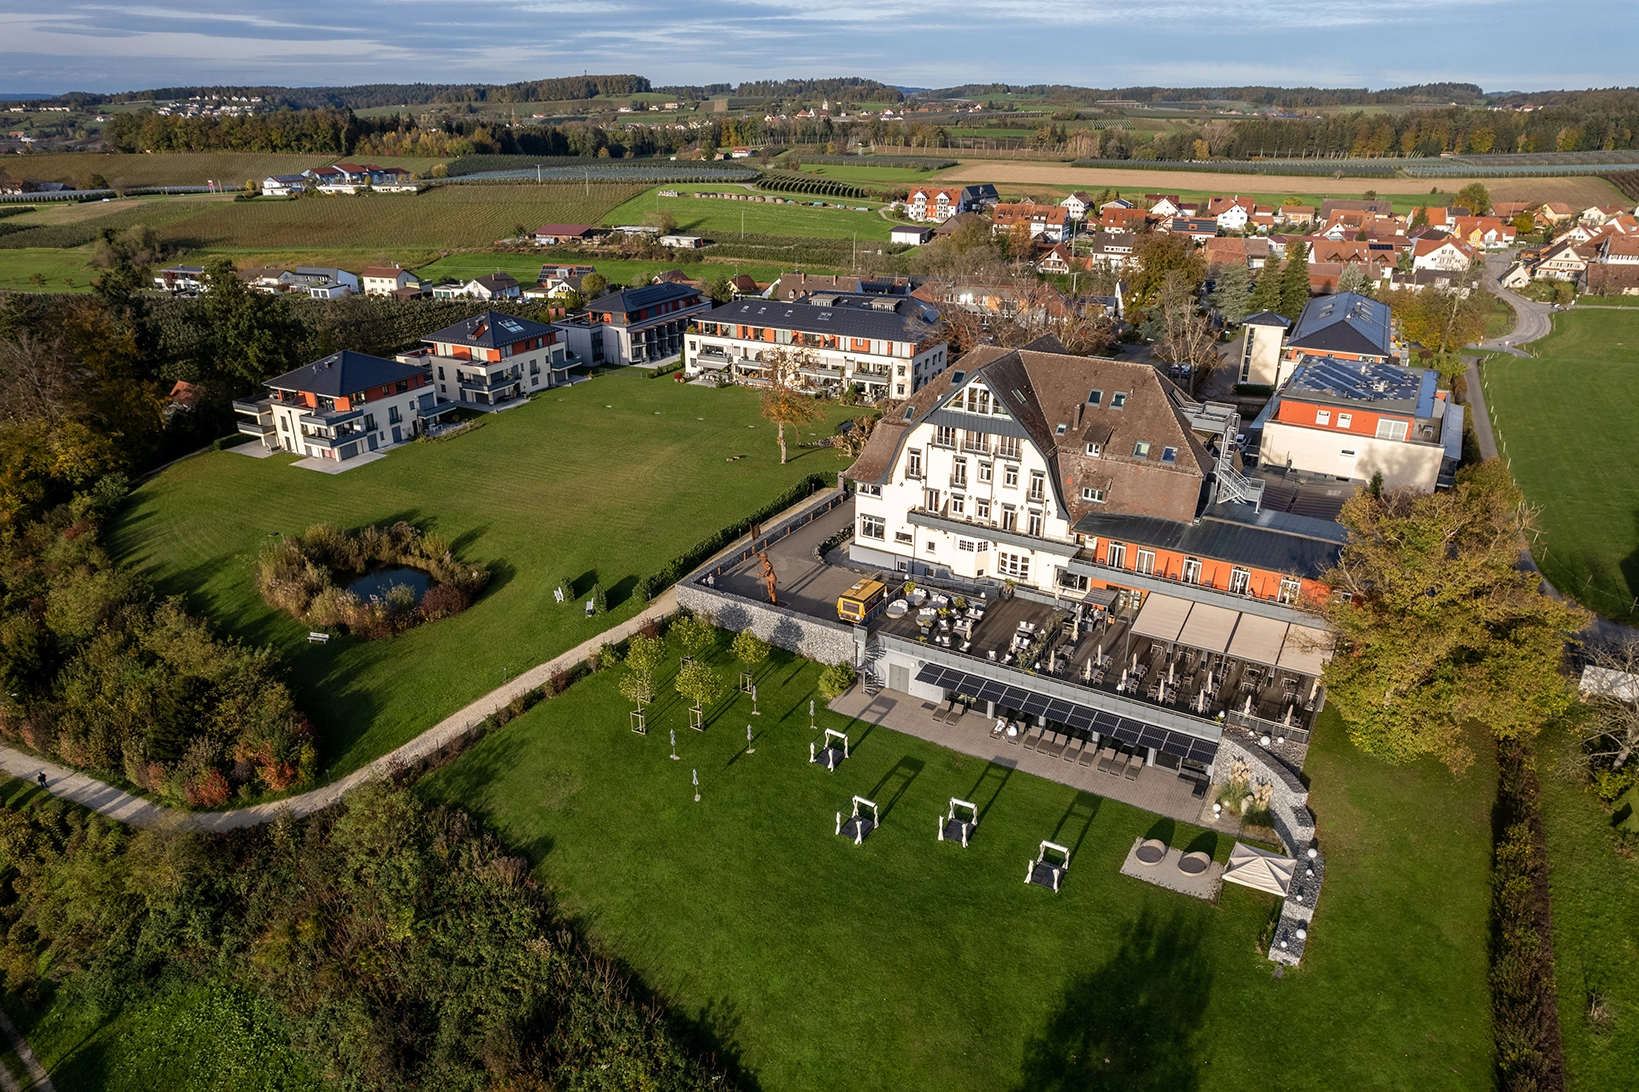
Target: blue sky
64	45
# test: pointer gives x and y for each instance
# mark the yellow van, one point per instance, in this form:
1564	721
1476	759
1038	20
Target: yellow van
860	600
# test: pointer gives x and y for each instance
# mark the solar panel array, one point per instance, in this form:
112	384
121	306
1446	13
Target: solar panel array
1135	733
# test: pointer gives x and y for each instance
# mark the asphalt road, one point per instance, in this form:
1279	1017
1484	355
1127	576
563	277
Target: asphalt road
1533	320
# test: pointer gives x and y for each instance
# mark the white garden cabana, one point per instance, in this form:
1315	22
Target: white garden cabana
1259	869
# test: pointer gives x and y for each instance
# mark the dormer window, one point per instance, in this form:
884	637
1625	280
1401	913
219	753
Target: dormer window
1060	430
1092	450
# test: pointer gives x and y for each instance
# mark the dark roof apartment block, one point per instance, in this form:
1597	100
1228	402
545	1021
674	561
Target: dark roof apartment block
1344	323
636	304
344	375
879	318
490	330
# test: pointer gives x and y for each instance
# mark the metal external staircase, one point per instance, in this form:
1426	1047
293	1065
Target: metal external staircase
868	675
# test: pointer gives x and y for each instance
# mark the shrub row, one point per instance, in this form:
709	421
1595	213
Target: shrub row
679	566
1524	1003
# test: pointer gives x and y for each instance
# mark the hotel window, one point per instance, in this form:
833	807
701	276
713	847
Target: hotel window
1092	450
1033	524
1010	477
1141	450
1192	570
944	436
1391	430
1073	581
1010	518
1343	420
974	440
1117	556
981	508
1323	417
984	472
913	463
958	504
1144	562
1007	447
1239	580
930	499
1093	496
873	527
1014	565
869	490
1289	589
958	473
1038	483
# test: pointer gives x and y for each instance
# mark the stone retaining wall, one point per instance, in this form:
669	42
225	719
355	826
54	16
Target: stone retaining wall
825	642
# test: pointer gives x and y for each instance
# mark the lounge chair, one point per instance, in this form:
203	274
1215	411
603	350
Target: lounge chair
1012	737
1089	754
1032	739
1107	760
1073	750
1134	764
1054	747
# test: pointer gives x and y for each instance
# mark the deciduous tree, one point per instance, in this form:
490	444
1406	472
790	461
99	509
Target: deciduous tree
784	403
1441	635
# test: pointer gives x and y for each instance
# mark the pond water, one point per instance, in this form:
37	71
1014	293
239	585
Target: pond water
374	585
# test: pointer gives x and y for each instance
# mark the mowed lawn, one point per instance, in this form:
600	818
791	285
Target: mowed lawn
526	267
1593	876
191	168
720	219
910	963
1566	419
605	480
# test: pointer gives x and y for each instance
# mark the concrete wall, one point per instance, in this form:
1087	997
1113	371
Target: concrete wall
1261	363
825	642
1321	451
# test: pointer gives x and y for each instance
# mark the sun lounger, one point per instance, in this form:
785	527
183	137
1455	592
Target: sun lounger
1107	760
1089	754
1054	747
1032	739
1073	750
1134	764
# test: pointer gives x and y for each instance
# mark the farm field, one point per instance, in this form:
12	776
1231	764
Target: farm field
1592	878
1582	382
180	168
446	217
63	270
926	965
720	220
1577	191
602	481
864	173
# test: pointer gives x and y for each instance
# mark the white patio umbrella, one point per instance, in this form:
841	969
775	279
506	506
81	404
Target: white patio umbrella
1259	869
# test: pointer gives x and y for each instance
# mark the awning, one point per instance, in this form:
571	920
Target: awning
1259	869
1208	628
1134	733
1258	639
1099	597
1305	650
1162	617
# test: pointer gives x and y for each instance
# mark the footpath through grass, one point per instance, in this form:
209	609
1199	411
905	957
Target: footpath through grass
1565	420
909	963
1593	876
602	481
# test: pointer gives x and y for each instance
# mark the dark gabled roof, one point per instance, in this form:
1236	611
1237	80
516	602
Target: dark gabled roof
496	281
635	299
1274	541
490	330
905	324
1345	322
343	374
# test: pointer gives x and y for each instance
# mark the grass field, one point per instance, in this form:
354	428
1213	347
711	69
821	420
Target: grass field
907	963
1596	928
849	172
1565	418
602	481
63	270
527	267
721	220
180	168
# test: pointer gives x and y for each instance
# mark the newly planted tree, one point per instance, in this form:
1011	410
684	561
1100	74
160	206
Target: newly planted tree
694	633
702	686
784	402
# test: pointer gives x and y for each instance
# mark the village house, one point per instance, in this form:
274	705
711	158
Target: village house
1163	205
634	325
1047	222
1114	218
910	234
555	234
940	204
1261	345
888	346
1484	232
388	280
285	185
1077	204
1443	254
181	278
343	406
493	358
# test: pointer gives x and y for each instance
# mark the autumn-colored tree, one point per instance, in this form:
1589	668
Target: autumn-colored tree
1441	635
784	403
1155	259
1475	198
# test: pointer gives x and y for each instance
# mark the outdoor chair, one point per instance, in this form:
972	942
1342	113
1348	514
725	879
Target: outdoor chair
1074	749
1107	760
1032	739
1054	747
1134	764
1089	755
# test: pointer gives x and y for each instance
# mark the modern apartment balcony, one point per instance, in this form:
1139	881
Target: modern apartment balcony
329	419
